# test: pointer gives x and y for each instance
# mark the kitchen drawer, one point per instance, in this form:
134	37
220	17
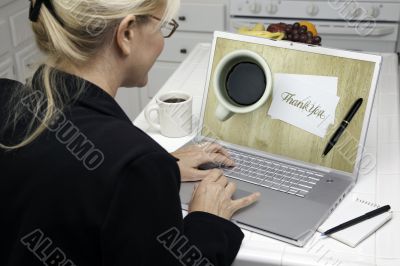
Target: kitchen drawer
181	44
6	69
20	27
201	17
158	75
4	2
28	60
5	44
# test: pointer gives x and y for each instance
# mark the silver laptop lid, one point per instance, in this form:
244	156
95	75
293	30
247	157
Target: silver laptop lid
357	76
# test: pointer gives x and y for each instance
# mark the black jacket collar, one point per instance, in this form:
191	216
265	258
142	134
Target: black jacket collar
83	92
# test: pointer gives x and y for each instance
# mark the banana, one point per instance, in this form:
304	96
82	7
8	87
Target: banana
259	27
264	34
281	36
243	29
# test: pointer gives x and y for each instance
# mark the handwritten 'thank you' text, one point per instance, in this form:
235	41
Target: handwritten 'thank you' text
305	104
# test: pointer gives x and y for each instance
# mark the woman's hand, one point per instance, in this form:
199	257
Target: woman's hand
190	157
214	195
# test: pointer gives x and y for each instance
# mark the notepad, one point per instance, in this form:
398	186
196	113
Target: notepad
350	208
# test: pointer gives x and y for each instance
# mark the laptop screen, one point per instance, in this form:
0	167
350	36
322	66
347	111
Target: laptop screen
289	101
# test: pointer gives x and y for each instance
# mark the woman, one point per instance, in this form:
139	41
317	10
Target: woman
80	185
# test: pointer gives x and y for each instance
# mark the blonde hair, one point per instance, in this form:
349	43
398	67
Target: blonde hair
86	26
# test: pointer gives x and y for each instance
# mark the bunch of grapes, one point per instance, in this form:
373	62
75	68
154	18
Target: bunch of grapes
297	33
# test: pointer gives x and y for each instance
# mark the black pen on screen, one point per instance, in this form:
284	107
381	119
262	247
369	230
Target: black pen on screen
357	220
334	139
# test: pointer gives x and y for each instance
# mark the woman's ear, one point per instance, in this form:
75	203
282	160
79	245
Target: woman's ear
125	35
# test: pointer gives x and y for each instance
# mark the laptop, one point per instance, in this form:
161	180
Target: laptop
299	187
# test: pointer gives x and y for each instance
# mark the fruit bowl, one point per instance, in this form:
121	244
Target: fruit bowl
259	31
303	32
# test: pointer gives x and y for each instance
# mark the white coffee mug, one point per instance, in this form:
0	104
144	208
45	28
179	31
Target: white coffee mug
174	117
226	107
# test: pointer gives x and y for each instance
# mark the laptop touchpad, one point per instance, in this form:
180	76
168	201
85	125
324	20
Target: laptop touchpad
187	190
240	194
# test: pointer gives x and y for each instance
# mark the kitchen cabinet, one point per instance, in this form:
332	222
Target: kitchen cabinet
7	69
20	27
27	61
19	54
4	42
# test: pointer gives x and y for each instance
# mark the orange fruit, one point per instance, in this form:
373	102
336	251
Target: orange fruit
310	27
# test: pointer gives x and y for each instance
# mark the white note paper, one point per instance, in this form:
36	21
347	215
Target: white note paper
305	101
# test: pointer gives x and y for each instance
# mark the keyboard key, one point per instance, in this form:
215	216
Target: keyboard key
313	178
299	189
305	185
301	194
266	183
284	188
292	191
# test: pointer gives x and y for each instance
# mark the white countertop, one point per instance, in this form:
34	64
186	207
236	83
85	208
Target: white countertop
382	185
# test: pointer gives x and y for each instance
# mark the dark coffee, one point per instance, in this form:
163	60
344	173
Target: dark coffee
174	100
245	83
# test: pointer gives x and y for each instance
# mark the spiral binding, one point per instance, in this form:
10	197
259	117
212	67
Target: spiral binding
368	203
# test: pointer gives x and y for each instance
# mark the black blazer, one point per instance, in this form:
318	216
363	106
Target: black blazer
94	189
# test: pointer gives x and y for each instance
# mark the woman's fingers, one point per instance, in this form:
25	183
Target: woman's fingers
221	159
197	175
246	201
217	176
194	191
230	189
214	195
216	158
212	147
214	175
222	180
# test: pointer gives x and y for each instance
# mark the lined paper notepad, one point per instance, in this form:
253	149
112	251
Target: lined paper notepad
350	208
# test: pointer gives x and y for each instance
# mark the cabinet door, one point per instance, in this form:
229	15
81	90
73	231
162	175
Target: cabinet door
158	75
181	44
201	17
6	69
5	44
28	60
129	100
20	27
4	2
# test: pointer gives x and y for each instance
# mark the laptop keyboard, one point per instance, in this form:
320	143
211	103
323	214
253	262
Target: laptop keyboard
271	174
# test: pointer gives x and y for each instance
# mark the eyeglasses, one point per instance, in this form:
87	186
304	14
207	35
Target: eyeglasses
167	28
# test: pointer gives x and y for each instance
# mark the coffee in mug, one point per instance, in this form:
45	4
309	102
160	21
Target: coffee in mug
174	100
242	83
174	114
245	83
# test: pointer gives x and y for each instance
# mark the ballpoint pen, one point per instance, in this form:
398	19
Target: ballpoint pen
357	220
334	139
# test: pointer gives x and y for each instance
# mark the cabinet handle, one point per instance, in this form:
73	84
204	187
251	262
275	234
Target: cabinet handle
182	18
183	51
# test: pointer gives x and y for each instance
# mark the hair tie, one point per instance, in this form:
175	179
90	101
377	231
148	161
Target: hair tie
34	10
